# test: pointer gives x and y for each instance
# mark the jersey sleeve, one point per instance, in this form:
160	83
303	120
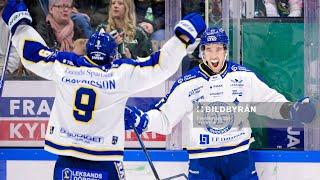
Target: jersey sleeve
169	111
36	56
268	100
144	73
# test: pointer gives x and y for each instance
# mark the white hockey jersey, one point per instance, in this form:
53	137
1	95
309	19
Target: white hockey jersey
230	133
86	120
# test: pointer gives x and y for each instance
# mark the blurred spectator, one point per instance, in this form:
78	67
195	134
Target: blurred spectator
283	8
95	9
36	11
192	6
159	29
58	29
2	3
80	46
141	9
259	8
215	16
147	26
83	21
14	59
150	16
158	8
133	41
188	6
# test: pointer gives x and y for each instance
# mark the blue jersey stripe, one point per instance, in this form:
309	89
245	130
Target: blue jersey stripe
31	51
36	52
218	149
152	61
97	153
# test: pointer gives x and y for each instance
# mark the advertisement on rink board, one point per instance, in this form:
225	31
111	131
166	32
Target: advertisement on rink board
24	116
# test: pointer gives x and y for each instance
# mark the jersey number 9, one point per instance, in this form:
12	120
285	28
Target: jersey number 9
84	104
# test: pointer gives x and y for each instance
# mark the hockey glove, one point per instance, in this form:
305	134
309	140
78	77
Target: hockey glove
191	25
303	110
135	117
15	13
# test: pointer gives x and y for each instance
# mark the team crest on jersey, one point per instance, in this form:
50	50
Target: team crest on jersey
218	119
66	174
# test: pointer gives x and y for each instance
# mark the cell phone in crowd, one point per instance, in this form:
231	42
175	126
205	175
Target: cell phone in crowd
113	33
120	46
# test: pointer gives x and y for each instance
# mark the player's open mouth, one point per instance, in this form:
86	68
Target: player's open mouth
215	63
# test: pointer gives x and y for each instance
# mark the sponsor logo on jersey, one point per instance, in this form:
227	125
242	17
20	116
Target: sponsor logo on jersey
198	99
86	138
237	92
215	78
229	138
216	90
241	68
74	174
216	86
195	91
236	83
204	139
188	77
216	94
234	68
87	72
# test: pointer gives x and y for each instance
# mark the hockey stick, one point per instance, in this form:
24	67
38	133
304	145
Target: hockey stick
146	154
6	59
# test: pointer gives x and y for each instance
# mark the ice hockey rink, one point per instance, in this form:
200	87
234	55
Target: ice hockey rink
278	39
20	164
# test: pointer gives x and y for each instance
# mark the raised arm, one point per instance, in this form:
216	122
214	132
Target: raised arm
31	47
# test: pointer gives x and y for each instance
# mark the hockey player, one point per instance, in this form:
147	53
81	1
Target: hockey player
218	151
85	127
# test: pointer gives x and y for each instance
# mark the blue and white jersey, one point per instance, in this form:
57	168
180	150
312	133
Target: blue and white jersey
230	134
86	120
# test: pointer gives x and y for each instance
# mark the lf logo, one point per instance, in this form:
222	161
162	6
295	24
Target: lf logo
66	174
204	139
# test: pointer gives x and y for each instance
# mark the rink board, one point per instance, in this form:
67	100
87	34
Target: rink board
19	164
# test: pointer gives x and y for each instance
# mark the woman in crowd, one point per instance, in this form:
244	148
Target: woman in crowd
58	29
133	41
